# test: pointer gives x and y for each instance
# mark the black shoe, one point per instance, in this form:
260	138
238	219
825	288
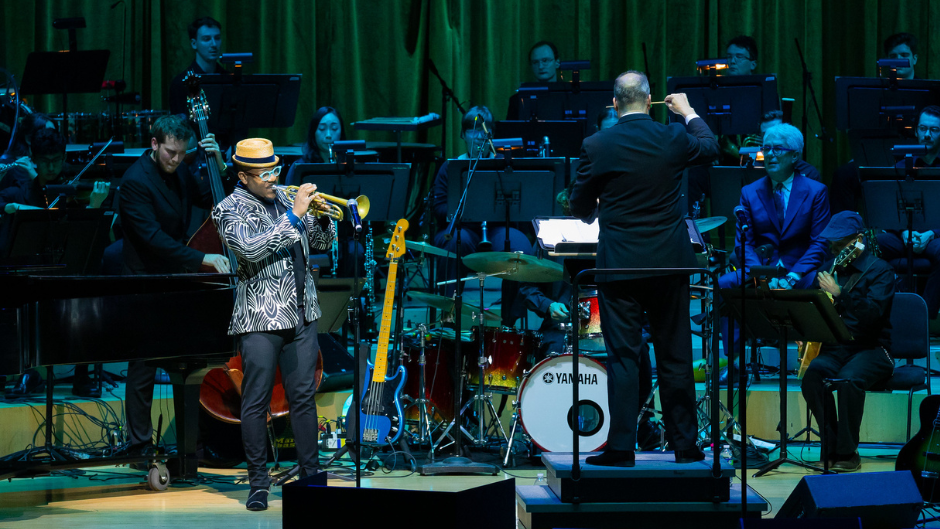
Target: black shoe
29	382
689	455
613	458
86	387
847	464
257	500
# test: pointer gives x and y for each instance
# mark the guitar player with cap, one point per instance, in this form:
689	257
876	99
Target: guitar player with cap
862	292
276	307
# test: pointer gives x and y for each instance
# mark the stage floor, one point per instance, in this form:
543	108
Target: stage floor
117	497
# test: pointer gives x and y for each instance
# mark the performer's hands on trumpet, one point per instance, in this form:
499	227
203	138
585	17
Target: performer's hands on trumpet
308	197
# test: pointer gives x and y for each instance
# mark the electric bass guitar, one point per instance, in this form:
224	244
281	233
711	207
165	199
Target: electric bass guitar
921	455
380	414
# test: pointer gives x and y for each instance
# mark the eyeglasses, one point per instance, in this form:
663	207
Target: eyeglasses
473	133
924	128
541	62
269	176
737	57
775	150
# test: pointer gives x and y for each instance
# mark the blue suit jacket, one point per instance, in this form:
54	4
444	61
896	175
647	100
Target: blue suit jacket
797	243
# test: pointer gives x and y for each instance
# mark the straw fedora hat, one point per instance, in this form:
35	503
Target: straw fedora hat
255	152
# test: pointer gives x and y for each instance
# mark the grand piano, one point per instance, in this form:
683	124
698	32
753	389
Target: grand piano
178	322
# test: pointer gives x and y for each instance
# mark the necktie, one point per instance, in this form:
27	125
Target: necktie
779	204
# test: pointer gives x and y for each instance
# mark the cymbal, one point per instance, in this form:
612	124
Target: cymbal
447	305
709	223
423	247
515	266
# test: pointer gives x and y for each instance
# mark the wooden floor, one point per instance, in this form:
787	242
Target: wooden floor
117	497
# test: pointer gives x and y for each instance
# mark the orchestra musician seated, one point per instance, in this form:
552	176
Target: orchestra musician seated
472	234
862	291
893	243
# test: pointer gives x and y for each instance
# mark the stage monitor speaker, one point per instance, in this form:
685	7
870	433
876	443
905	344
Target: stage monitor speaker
337	364
883	500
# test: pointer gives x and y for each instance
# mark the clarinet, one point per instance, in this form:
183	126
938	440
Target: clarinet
370	264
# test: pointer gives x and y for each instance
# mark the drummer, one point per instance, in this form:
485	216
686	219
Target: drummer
471	234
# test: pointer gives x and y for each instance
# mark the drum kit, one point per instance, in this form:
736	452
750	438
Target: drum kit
509	365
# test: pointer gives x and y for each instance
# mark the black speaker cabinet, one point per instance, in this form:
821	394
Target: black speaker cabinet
883	500
338	364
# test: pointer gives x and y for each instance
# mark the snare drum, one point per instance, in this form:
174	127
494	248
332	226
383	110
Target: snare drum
590	336
137	126
545	409
508	354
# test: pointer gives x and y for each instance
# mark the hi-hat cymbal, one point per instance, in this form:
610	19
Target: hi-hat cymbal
446	304
709	223
515	266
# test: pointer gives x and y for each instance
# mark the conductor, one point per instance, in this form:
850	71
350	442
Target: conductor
629	175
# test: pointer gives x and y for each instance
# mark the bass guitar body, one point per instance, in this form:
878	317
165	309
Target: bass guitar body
921	455
380	413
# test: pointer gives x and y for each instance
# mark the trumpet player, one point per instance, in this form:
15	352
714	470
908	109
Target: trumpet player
276	309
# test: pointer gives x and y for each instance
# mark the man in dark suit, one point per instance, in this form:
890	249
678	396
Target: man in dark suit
630	176
786	212
154	207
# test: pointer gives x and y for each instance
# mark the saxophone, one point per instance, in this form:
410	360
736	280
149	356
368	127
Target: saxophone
808	351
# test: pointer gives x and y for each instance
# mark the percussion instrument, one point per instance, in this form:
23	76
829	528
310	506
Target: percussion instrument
447	305
438	373
137	126
423	247
83	127
515	266
508	355
545	408
590	336
709	223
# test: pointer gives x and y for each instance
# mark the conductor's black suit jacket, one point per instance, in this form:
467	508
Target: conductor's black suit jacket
635	170
154	219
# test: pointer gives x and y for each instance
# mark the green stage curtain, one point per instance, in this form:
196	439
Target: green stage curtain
370	58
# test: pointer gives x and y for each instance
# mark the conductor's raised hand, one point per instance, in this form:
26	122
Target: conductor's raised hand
679	104
306	194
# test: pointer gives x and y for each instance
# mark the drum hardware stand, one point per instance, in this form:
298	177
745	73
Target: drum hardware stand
647	406
421	402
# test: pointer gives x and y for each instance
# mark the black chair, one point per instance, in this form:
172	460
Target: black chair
910	341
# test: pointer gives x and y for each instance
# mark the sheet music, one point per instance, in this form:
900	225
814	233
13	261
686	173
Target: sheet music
553	231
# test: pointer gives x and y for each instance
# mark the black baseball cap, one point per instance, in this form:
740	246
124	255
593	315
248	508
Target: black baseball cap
843	224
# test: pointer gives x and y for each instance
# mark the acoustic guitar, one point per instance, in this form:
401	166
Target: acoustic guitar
921	455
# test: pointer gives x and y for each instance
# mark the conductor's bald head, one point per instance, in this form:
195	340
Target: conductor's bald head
631	92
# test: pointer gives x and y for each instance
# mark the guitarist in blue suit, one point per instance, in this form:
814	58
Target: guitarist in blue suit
276	307
786	212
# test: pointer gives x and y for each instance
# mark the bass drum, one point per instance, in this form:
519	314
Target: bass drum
545	409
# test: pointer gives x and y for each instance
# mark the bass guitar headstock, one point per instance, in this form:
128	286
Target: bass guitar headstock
396	246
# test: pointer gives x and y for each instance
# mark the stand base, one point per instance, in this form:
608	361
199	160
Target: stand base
457	465
777	462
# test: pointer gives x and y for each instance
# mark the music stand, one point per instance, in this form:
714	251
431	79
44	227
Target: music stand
386	183
74	237
565	136
581	101
881	103
72	72
251	101
894	201
530	184
333	295
782	315
729	104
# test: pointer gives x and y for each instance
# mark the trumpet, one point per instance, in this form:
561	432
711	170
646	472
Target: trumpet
335	204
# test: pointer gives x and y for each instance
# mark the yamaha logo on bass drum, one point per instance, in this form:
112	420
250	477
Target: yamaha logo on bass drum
588	379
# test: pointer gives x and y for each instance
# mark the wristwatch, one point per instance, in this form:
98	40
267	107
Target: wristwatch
792	280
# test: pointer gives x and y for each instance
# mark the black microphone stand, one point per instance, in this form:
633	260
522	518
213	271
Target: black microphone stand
446	95
458	464
808	85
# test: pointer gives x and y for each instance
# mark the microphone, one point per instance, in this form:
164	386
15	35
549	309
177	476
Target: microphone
741	214
354	214
489	137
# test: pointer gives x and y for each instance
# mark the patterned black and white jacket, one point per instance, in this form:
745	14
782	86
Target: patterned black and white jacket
266	296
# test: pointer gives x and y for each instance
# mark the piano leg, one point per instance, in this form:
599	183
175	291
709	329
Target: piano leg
186	379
